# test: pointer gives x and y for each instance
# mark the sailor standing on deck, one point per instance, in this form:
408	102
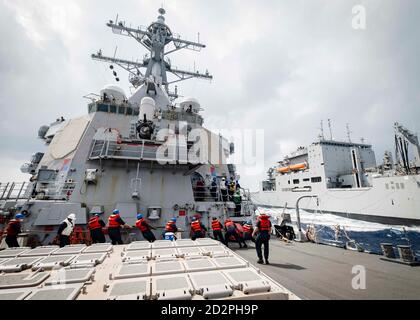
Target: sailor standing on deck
95	226
223	189
13	229
217	229
231	188
145	227
114	227
65	229
263	229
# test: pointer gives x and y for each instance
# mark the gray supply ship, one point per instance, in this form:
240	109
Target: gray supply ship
345	179
147	153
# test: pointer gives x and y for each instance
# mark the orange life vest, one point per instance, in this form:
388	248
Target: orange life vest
141	226
215	225
112	221
229	223
247	228
10	230
94	223
264	224
170	226
196	226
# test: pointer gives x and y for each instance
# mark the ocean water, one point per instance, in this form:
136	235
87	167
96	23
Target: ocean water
368	235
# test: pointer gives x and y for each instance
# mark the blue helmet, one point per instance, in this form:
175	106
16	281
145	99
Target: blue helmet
173	219
116	211
19	216
194	218
139	216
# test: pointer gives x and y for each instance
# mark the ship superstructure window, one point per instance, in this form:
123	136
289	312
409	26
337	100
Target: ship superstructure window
113	109
316	179
92	107
295	181
306	179
102	107
402	185
129	111
386	186
121	110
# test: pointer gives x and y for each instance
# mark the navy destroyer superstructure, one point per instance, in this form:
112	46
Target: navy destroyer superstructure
145	153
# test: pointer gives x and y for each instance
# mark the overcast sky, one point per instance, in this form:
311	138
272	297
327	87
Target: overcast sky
280	65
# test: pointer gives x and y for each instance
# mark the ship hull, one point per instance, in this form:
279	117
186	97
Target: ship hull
381	203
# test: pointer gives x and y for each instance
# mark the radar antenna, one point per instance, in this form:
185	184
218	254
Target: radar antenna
154	38
348	132
329	127
321	135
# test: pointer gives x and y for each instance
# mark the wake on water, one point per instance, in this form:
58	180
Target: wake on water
368	235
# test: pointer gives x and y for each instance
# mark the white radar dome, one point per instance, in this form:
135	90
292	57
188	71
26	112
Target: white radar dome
113	92
190	104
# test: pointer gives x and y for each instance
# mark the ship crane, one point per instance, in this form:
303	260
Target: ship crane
404	137
154	38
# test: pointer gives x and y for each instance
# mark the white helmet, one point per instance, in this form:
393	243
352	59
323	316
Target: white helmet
71	216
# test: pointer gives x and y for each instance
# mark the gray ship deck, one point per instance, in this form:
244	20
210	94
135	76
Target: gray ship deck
324	272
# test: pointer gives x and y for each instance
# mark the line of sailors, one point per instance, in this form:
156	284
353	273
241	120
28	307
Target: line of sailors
198	230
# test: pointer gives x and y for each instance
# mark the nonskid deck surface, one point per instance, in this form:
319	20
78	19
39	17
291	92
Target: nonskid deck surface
314	271
140	271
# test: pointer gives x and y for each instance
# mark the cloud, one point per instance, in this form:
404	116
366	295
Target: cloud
281	66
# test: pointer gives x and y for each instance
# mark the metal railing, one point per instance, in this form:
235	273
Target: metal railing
102	149
214	194
14	190
141	150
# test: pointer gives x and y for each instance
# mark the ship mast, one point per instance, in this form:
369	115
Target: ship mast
155	39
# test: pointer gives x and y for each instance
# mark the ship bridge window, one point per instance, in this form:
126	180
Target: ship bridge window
136	111
103	107
295	181
46	175
316	179
92	108
113	109
121	110
129	111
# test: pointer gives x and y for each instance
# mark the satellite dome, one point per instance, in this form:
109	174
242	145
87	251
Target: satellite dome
114	92
188	102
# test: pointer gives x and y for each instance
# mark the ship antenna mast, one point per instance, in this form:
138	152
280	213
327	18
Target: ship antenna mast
155	38
329	127
321	136
348	132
